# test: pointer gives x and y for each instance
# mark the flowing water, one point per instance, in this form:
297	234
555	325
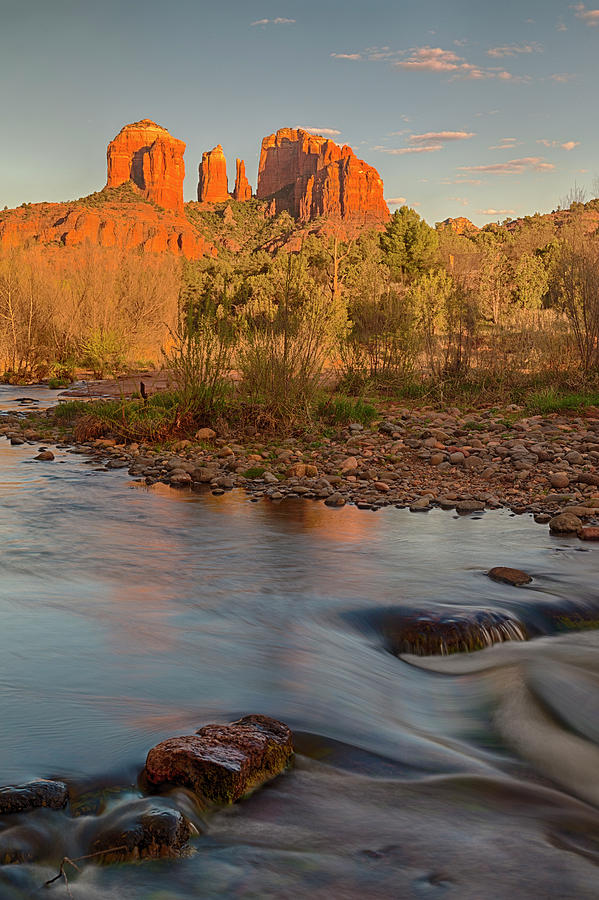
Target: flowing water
128	615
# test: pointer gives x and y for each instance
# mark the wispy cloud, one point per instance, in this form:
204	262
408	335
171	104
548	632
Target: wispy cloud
463	201
429	142
589	16
496	212
328	132
435	59
439	137
566	145
429	59
278	21
513	167
396	201
514	50
356	57
562	77
401	151
506	144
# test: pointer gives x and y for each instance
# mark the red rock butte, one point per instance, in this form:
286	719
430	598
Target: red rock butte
212	185
310	176
243	189
146	154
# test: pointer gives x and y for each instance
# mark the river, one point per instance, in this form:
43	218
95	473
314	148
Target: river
130	614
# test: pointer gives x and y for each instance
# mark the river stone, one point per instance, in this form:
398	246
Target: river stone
335	499
45	456
565	523
221	763
468	506
33	795
141	830
509	576
431	633
559	480
589	533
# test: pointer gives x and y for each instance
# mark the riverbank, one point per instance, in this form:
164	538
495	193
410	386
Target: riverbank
416	458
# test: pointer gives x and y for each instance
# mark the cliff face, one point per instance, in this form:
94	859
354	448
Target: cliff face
310	176
243	189
212	184
146	154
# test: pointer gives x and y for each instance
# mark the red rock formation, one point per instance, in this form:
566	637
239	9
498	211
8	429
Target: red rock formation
310	176
212	186
148	155
129	225
243	189
459	225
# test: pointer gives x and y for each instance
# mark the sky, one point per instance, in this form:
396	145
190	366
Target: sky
465	107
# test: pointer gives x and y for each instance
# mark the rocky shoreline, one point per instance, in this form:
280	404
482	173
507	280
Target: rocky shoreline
547	466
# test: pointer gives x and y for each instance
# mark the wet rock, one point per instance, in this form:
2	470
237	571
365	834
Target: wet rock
565	523
45	456
143	829
335	500
16	441
223	762
509	576
589	533
430	633
33	795
421	505
23	843
180	479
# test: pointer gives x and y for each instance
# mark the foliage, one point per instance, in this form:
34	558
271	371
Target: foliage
409	244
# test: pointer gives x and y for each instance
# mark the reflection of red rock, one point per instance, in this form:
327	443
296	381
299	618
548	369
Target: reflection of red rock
243	189
131	224
151	158
212	186
310	176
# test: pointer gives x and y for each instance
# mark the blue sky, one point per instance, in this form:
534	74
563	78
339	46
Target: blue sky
466	107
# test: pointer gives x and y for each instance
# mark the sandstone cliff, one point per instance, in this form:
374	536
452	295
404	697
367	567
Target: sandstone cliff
310	176
212	184
243	189
146	154
459	225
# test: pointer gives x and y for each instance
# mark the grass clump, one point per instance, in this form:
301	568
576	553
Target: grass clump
551	400
344	410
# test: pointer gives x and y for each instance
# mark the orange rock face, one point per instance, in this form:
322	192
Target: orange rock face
459	225
243	189
131	225
310	176
146	154
213	186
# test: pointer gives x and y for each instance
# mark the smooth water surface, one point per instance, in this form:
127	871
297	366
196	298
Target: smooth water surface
129	615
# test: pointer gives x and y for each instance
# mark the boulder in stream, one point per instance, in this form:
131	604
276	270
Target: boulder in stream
221	763
33	795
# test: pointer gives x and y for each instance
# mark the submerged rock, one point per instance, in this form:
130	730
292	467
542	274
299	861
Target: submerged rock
430	633
222	762
33	795
144	829
509	576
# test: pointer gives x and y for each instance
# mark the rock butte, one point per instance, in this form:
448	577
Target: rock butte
460	225
146	154
243	189
213	186
310	176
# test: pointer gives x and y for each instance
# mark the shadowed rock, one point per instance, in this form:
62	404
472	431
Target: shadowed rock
222	762
33	795
144	829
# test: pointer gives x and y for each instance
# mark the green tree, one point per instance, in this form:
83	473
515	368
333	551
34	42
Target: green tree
409	245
